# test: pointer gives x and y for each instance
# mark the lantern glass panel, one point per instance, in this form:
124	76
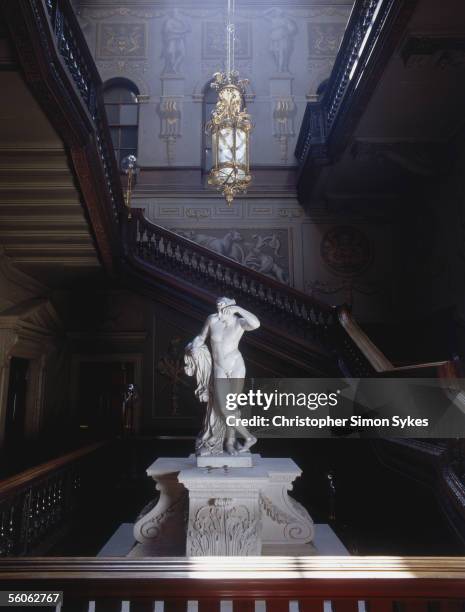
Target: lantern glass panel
241	147
226	145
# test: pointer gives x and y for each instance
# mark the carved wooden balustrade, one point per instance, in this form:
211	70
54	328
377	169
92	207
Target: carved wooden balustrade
303	584
60	71
370	38
301	318
36	503
78	59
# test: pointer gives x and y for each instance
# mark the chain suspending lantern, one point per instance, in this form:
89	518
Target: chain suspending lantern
230	125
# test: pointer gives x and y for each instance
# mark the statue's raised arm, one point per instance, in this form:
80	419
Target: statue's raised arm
247	320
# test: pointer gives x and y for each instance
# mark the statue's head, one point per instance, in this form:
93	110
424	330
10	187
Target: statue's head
222	302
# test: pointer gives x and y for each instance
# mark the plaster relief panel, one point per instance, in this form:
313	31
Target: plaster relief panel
324	39
213	40
227	212
346	250
319	70
283	31
128	40
172	388
174	31
265	250
349	263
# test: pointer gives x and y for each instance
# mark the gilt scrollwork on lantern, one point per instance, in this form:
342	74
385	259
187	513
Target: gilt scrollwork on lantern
230	127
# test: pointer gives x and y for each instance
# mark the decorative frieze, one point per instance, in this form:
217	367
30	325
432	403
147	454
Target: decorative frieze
128	40
324	39
213	40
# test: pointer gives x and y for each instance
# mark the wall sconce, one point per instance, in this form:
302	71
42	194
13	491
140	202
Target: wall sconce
130	168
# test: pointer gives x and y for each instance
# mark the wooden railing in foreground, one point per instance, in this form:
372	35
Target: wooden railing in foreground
38	502
381	583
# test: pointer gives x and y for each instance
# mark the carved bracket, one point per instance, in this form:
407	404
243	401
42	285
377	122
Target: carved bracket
170	111
283	124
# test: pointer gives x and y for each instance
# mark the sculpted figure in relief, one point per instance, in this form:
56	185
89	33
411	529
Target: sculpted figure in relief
174	46
283	30
217	372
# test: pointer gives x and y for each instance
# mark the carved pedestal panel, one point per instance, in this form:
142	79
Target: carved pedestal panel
224	510
230	511
284	520
164	520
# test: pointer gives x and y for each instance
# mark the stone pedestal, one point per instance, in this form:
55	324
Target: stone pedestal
229	510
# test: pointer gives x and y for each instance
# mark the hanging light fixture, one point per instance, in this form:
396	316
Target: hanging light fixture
230	125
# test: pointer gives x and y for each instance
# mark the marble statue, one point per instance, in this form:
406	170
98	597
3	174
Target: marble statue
283	30
174	48
217	371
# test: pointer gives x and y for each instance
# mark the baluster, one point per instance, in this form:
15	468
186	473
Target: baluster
140	239
305	315
60	496
272	299
202	266
261	293
244	284
220	274
228	278
287	305
157	245
194	263
236	282
162	247
47	505
169	250
11	531
253	288
49	5
211	269
3	538
153	246
178	255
